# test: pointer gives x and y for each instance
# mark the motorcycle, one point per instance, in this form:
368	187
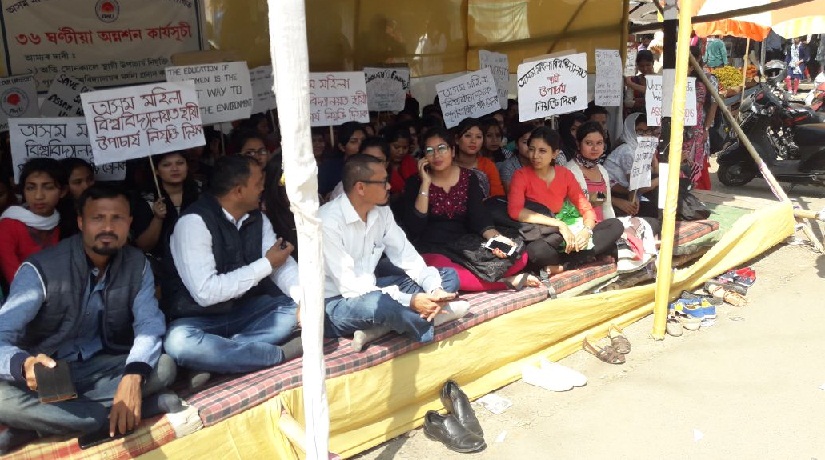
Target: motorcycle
790	139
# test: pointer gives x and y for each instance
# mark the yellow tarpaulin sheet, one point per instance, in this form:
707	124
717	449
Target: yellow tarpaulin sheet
382	402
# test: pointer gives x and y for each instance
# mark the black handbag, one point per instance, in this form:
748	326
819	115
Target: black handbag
689	207
469	252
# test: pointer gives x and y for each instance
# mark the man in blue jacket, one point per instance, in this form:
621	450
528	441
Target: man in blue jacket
88	301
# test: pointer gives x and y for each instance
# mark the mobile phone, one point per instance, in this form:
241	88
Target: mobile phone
507	249
98	437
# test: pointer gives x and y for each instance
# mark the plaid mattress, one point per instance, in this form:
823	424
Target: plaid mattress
691	231
152	434
567	280
233	395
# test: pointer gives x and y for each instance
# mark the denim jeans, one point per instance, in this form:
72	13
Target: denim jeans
244	340
96	381
345	316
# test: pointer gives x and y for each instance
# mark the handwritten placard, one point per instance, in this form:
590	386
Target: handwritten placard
262	82
387	88
224	89
18	98
654	100
138	121
63	99
552	86
642	162
336	98
469	96
630	62
499	65
609	88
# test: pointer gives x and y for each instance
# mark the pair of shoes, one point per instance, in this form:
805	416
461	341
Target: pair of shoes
728	292
674	326
552	376
696	308
617	339
607	354
459	430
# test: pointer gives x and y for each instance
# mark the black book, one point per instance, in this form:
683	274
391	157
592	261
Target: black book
54	384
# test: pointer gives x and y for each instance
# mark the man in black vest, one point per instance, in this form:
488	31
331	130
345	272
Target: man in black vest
226	295
88	301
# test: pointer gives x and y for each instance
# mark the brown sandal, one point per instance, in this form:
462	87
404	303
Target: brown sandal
607	354
728	296
618	340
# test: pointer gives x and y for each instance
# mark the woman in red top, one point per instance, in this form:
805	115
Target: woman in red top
548	185
401	164
27	229
469	139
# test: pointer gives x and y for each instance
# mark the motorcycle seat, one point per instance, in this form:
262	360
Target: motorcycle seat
812	134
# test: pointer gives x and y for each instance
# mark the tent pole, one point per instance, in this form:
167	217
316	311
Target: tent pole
664	275
745	69
763	168
290	61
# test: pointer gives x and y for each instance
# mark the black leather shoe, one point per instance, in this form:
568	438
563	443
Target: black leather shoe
457	403
448	431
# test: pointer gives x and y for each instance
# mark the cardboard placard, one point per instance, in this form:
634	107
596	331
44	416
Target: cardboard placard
56	138
138	121
552	86
262	81
18	99
642	162
469	96
63	99
387	88
609	90
499	65
657	99
224	89
337	97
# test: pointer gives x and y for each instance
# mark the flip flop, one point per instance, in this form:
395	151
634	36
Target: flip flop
729	296
607	354
674	326
618	340
741	290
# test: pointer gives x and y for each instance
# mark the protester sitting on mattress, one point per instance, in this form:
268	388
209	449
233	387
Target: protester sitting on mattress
537	196
619	165
506	169
251	144
32	226
400	162
358	228
493	137
233	287
372	146
348	141
155	216
469	139
81	175
89	304
444	209
568	125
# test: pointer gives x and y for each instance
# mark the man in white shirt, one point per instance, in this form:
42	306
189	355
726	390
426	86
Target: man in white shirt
228	278
358	228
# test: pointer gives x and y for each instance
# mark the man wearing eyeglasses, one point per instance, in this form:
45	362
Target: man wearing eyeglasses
358	228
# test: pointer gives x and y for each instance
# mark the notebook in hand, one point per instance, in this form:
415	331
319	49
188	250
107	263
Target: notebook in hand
54	384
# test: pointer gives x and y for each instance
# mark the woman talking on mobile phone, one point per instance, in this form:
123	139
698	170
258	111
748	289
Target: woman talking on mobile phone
444	205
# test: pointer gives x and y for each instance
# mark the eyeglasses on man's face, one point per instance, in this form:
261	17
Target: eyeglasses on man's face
441	149
382	182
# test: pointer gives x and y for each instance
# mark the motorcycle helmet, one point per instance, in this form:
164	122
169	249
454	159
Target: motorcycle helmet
774	72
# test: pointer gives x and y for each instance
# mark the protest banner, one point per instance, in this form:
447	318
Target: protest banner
656	98
499	65
552	86
101	42
262	81
609	90
224	89
387	88
56	138
18	98
138	121
630	62
63	99
470	95
338	97
642	162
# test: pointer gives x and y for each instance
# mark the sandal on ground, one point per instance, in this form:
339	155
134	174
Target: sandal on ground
607	354
699	296
689	322
674	326
733	287
520	281
729	296
618	340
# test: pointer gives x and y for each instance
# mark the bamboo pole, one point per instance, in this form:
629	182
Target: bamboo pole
763	168
665	274
745	69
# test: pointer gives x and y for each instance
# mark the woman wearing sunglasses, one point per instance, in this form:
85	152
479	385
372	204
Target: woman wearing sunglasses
443	204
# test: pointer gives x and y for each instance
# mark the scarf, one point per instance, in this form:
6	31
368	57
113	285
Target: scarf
588	164
31	219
